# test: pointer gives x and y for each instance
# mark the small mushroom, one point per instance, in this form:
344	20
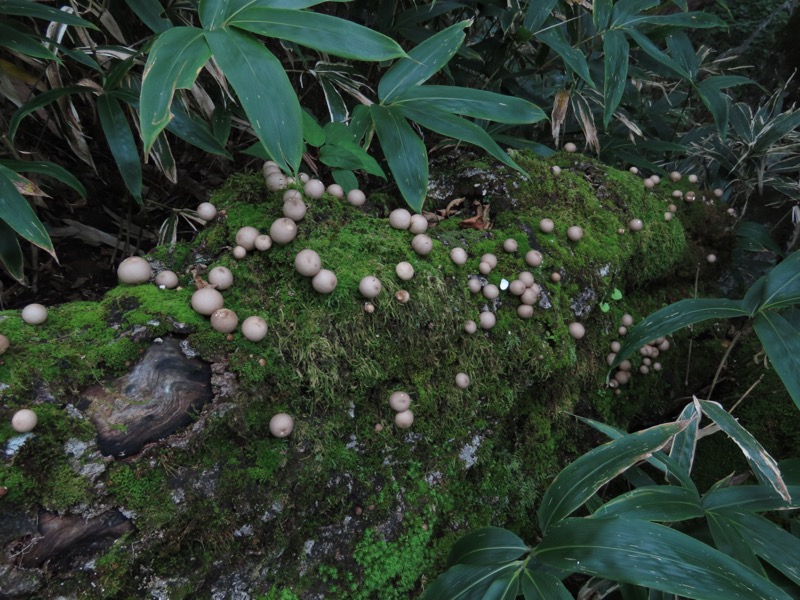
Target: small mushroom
402	296
314	188
656	179
283	231
404	270
491	259
254	328
556	170
487	320
356	197
24	420
534	258
634	170
207	211
711	258
224	320
400	219
335	190
281	425
324	282
547	225
675	176
526	277
292	195
692	178
555	276
307	262
404	419
294	209
649	183
263	242
510	245
422	244
616	346
458	256
529	297
491	291
627	320
134	270
419	224
576	330
34	314
622	377
525	311
474	285
462	381
276	181
679	194
221	277
246	237
167	279
399	401
484	268
574	233
672	208
4	344
304	178
570	147
207	300
635	224
370	287
517	287
668	216
369	307
239	252
470	326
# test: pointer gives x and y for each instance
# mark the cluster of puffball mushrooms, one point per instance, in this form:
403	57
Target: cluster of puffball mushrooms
649	352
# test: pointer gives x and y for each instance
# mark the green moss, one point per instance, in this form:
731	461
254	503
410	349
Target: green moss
144	491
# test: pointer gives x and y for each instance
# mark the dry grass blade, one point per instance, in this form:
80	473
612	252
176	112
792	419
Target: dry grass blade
559	114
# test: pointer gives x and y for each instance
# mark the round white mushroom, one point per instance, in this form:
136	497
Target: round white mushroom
220	277
281	425
254	328
134	270
34	314
207	300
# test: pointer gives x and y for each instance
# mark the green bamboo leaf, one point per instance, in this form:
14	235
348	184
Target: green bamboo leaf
266	94
405	152
665	503
324	33
625	10
212	13
572	57
150	11
24	43
763	465
537	13
542	586
651	555
653	51
689	20
26	8
46	168
755	237
750	498
346	179
505	587
681	49
19	215
682	4
221	124
717	103
120	141
685	443
782	286
174	61
10	252
312	132
524	144
478	104
461	129
616	52
337	109
422	63
349	156
677	316
38	102
165	161
728	540
487	546
466	582
781	340
577	482
601	14
769	541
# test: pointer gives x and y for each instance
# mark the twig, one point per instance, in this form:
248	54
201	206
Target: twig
750	389
691	328
722	363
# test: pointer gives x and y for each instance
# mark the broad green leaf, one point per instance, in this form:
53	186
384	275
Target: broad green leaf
18	214
624	10
405	152
424	12
677	316
755	237
673	471
10	252
312	132
349	156
634	592
651	555
682	4
266	94
150	11
717	103
751	498
657	503
601	14
542	586
423	62
212	13
221	124
537	13
654	52
120	141
38	102
728	540
576	483
321	32
505	587
781	341
689	20
763	465
774	130
525	144
680	48
455	127
466	582
782	287
685	443
478	104
487	546
572	57
769	541
292	4
19	41
616	52
26	8
346	179
337	109
46	168
754	296
174	61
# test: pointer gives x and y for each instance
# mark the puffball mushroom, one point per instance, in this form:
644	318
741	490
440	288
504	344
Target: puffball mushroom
649	183
292	194
555	277
399	401
356	197
462	381
254	328
692	178
239	252
263	242
635	224
370	287
517	287
458	256
314	188
221	277
307	262
134	270
491	291
304	178
24	420
34	314
276	181
526	277
207	300
324	282
335	190
168	279
470	326
656	179
281	425
404	419
474	285
533	258
400	218
487	320
419	224
574	233
718	192
491	259
634	170
207	211
422	244
556	170
616	346
529	297
570	147
484	268
525	311
627	320
246	237
402	296
711	258
510	245
547	225
4	344
404	270
668	216
294	209
675	176
224	320
283	231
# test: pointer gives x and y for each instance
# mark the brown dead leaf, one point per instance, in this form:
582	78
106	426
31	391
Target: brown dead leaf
481	219
559	114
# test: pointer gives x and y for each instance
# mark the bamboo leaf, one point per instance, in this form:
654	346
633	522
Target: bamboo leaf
150	11
537	13
24	43
577	482
666	503
266	94
542	586
349	156
755	237
651	555
466	582
781	340
654	52
688	20
174	61
750	498
505	587
46	168
782	286
572	57
601	14
728	539
616	52
18	214
10	252
38	102
685	443
26	8
423	62
487	546
769	541
120	141
763	465
405	152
